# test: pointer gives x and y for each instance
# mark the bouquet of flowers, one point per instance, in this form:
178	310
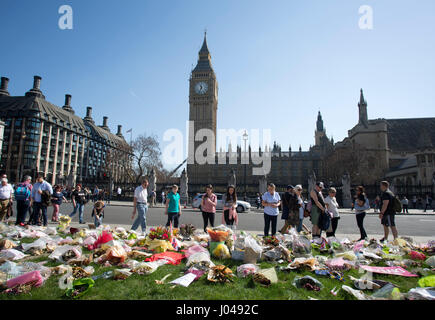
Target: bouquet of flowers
271	240
160	233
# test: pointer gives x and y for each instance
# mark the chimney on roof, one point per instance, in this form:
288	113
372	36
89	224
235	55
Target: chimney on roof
67	106
119	133
104	126
36	90
4	86
89	115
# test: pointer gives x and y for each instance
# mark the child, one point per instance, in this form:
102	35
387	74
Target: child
98	213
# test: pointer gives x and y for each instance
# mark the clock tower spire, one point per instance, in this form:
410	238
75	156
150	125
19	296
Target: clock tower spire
203	99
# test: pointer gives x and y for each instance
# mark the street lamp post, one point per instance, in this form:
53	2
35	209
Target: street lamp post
245	139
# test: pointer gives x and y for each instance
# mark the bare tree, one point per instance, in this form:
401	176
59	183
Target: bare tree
146	151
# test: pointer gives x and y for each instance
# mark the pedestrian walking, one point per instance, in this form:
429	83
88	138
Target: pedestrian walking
41	194
95	194
361	206
405	203
229	200
271	203
427	202
317	208
332	206
98	213
78	198
163	197
56	201
285	207
6	201
388	213
208	206
22	196
140	205
173	207
258	201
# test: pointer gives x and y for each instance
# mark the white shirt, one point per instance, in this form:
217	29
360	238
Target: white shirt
302	208
6	192
119	190
141	194
332	206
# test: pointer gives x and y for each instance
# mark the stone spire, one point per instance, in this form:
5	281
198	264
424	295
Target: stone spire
204	59
319	122
362	105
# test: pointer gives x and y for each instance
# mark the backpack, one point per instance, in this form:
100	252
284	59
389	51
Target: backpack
324	221
397	204
45	198
22	193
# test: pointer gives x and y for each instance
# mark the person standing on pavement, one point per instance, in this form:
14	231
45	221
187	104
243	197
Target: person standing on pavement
39	206
298	192
208	206
56	200
361	204
318	206
414	202
23	194
140	205
332	206
229	199
387	214
119	193
405	203
173	207
78	199
285	207
163	197
6	192
271	203
95	194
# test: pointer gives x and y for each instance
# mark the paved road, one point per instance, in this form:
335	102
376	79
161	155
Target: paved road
412	225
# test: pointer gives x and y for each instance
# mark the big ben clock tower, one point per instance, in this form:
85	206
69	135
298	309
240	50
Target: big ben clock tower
203	96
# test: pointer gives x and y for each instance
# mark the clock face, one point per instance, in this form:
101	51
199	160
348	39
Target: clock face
201	87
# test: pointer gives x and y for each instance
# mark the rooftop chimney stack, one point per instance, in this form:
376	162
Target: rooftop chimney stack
37	82
4	86
36	90
105	121
67	106
119	133
89	115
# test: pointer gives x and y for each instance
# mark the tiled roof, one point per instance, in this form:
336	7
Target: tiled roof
404	135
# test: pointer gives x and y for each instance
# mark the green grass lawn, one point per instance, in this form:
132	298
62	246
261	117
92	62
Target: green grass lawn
144	286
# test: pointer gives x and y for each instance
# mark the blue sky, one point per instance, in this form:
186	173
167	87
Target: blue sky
277	62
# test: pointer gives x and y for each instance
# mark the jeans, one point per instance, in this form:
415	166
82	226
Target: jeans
79	207
173	217
267	221
334	224
22	208
98	221
141	217
207	216
360	222
299	226
38	208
